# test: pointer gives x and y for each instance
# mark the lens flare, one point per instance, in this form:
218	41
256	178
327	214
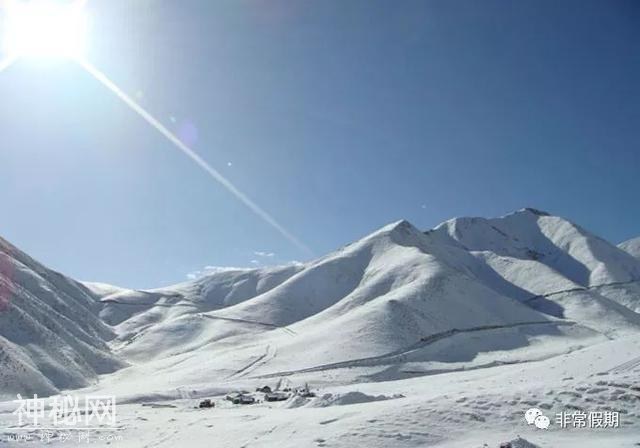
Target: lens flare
53	29
44	29
212	172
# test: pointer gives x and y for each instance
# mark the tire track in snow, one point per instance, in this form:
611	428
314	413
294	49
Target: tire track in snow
626	366
579	288
208	316
424	342
251	322
268	355
108	301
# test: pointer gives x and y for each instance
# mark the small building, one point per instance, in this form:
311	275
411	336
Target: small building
276	396
244	399
240	398
232	396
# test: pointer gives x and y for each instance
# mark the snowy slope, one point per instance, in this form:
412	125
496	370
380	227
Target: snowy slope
547	262
224	287
50	334
160	322
439	300
415	339
632	247
383	294
464	409
529	234
470	293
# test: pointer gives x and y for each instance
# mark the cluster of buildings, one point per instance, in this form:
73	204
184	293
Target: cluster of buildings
268	394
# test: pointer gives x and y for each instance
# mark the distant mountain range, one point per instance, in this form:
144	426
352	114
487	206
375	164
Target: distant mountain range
470	290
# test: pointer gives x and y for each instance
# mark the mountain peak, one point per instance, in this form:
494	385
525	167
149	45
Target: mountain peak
400	229
465	221
398	225
400	232
535	211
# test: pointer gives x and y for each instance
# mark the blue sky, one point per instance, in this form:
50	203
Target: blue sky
335	116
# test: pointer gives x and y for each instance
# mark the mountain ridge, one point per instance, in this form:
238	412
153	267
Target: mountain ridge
397	295
632	247
50	333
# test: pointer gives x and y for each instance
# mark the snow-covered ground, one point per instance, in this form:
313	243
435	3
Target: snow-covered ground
440	338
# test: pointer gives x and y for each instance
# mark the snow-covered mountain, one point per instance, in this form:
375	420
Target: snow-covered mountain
457	329
632	247
472	292
546	261
51	337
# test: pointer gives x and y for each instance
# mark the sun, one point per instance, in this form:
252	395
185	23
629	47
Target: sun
44	29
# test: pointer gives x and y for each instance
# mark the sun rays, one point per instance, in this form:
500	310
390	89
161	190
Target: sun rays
212	172
47	30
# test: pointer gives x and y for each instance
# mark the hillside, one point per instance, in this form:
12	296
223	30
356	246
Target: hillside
470	293
632	247
50	335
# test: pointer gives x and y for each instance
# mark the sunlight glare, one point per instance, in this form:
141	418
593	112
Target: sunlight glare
44	29
212	172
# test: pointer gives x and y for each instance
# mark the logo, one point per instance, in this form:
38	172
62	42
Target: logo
535	417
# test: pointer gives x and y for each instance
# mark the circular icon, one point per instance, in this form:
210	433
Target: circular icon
542	422
531	415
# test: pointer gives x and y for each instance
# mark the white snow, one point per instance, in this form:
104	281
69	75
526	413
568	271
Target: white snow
632	247
50	335
440	338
